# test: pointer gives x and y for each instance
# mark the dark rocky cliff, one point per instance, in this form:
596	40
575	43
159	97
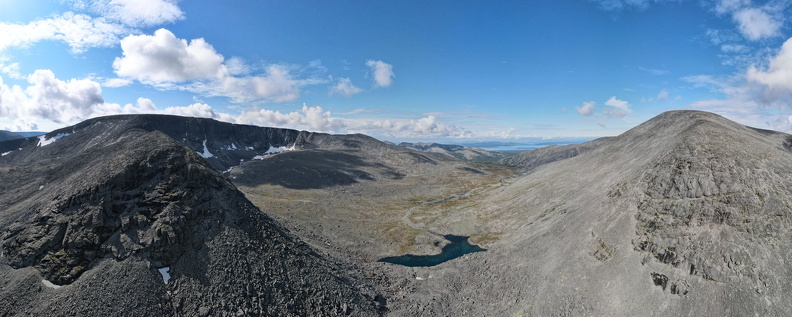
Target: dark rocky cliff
102	207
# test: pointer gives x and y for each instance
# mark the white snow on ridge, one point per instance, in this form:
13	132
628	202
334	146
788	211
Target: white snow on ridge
275	150
206	153
6	153
50	284
43	141
165	274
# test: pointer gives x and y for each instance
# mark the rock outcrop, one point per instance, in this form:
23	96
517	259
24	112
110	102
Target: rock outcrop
120	196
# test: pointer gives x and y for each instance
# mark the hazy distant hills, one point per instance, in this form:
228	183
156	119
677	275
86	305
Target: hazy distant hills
6	135
458	151
686	214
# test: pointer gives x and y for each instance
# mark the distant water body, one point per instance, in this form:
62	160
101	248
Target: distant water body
528	146
518	147
459	246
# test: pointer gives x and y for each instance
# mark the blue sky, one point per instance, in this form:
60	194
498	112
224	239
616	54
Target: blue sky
452	71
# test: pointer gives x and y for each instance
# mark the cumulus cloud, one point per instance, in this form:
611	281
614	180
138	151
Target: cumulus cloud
50	98
618	108
382	72
66	102
277	85
427	126
167	62
310	118
776	80
20	125
587	109
756	24
10	69
345	87
136	13
164	58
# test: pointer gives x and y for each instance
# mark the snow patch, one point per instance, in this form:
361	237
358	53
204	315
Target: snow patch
41	187
6	153
249	148
231	147
275	150
165	272
206	153
50	284
44	141
229	170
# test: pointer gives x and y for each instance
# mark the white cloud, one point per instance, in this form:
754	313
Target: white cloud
619	108
200	110
776	80
117	82
309	118
236	66
50	103
662	95
727	6
345	87
115	19
587	109
383	73
12	69
427	126
277	85
755	24
79	31
167	62
50	98
734	48
20	125
164	58
136	13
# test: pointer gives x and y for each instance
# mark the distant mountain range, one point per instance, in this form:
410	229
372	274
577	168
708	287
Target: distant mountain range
458	151
687	214
6	135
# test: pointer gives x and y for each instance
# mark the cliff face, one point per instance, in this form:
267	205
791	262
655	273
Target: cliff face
123	197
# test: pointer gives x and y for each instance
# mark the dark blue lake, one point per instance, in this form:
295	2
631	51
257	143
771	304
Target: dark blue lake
459	246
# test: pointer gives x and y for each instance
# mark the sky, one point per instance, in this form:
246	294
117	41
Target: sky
452	71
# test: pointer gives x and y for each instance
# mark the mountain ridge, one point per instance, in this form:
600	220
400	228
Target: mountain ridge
110	197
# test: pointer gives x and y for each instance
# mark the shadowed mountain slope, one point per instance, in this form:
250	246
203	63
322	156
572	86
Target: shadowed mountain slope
6	135
99	207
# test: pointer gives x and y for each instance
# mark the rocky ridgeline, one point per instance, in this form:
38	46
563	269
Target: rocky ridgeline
529	160
115	193
717	205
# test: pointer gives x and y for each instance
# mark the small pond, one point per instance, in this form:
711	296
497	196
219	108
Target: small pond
459	246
